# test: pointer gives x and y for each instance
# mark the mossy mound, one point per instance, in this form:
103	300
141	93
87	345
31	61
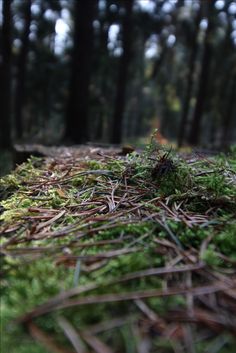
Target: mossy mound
106	253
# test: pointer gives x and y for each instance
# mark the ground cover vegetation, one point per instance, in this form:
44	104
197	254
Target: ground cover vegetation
102	252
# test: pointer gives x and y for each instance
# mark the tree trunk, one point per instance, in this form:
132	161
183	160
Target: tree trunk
225	138
116	135
78	102
5	79
21	71
190	81
136	117
104	62
194	135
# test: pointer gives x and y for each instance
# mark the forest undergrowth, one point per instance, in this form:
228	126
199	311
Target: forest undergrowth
108	253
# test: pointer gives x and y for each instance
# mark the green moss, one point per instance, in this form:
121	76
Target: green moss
211	258
192	236
206	187
217	185
117	166
225	240
95	165
16	340
176	182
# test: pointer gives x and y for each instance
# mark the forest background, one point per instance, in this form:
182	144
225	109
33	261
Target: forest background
109	71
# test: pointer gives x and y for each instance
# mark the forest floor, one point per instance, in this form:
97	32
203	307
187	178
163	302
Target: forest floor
111	253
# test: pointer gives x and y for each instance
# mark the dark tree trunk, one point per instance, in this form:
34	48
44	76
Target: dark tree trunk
21	71
103	82
158	63
136	114
194	135
190	81
5	77
225	138
78	101
116	135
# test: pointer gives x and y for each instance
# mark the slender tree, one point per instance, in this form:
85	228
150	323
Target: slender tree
78	102
194	135
5	76
103	66
193	44
21	69
125	61
228	115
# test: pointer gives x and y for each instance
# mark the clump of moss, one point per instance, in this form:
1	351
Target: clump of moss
225	240
211	257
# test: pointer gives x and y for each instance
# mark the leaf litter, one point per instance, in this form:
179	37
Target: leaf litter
115	253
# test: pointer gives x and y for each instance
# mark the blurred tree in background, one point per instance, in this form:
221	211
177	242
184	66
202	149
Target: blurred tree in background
5	75
81	67
21	69
112	70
